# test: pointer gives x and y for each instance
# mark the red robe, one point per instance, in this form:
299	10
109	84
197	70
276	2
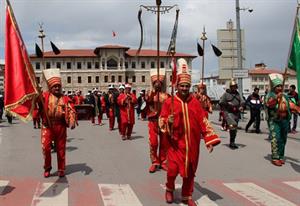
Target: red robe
78	100
61	114
189	125
205	102
127	111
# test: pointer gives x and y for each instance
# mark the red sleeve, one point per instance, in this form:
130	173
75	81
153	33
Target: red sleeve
271	102
134	99
164	114
207	132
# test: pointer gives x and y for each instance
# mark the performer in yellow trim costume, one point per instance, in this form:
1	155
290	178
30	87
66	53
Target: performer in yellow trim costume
61	114
184	129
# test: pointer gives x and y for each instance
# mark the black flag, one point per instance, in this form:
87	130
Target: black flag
216	50
200	50
38	51
54	48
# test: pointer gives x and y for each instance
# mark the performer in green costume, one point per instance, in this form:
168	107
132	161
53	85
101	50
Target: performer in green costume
279	113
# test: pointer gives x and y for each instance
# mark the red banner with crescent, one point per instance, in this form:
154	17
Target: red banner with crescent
20	88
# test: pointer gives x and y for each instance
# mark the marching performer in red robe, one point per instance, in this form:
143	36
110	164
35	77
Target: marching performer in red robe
127	102
36	117
185	127
78	99
57	114
157	140
111	107
204	100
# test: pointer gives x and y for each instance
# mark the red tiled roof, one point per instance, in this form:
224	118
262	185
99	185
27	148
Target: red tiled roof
93	52
152	52
69	53
261	71
108	46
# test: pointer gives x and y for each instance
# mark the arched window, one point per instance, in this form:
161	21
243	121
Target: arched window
112	64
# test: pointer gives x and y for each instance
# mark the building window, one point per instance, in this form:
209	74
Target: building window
143	79
152	65
112	78
119	78
97	79
143	65
254	79
126	65
69	80
133	78
79	80
96	65
126	80
105	78
170	78
112	64
162	64
48	65
89	65
37	65
58	65
89	79
69	65
133	66
38	80
103	64
78	65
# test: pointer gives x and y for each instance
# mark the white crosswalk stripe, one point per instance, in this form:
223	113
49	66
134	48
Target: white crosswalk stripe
3	184
258	195
295	184
118	195
50	194
57	194
204	199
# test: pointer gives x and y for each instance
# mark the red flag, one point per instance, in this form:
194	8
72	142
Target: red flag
20	82
174	72
114	34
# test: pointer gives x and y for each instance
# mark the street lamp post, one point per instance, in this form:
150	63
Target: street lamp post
239	45
239	41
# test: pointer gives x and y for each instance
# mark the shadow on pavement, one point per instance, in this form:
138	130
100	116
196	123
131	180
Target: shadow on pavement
288	160
71	148
204	191
70	139
6	189
57	188
136	137
81	167
239	145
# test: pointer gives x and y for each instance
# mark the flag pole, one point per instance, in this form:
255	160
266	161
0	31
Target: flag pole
173	52
291	42
203	38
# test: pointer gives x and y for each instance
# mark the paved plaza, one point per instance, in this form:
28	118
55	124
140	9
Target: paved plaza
103	170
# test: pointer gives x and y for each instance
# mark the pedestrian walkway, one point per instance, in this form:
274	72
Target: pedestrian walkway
64	193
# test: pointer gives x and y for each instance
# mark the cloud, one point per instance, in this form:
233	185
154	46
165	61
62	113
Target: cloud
87	24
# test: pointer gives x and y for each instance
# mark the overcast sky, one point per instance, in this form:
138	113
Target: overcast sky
74	24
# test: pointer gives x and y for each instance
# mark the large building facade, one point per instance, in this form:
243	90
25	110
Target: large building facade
227	42
85	69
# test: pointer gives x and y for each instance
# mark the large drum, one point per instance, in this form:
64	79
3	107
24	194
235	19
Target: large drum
143	106
84	111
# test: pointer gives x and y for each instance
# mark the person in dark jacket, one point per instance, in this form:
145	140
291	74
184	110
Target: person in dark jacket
255	103
293	97
95	100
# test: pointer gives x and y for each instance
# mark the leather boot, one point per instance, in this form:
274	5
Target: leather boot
232	144
169	197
